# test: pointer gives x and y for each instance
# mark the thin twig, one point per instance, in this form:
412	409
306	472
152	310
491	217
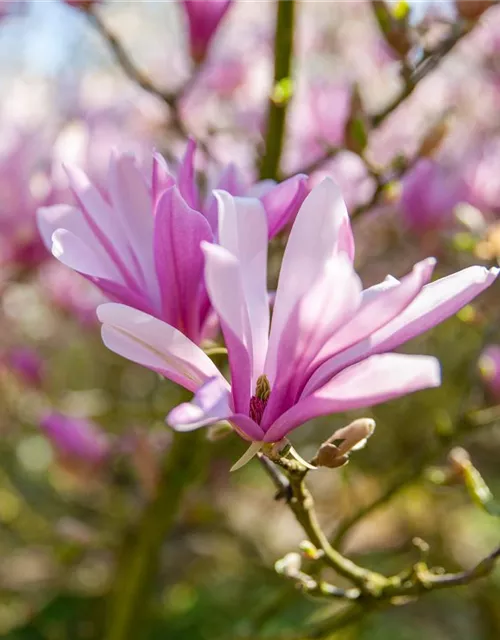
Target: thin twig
428	63
126	63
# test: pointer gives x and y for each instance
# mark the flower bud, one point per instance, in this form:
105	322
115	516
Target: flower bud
354	436
335	451
204	17
472	9
289	565
83	5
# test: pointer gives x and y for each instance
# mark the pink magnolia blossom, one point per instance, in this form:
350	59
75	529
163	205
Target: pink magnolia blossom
76	439
25	363
429	195
203	18
328	346
140	242
24	186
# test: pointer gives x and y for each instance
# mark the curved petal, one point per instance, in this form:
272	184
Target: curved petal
436	302
317	235
62	216
373	381
243	232
72	251
283	201
210	404
156	345
246	427
230	180
225	288
331	301
379	307
178	233
161	177
186	179
105	224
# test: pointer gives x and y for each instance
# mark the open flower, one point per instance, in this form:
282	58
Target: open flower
140	242
327	347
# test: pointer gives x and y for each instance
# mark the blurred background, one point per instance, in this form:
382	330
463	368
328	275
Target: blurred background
82	430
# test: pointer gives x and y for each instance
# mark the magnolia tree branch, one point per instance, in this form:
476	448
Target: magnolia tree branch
126	63
427	64
371	590
466	423
138	558
281	91
128	66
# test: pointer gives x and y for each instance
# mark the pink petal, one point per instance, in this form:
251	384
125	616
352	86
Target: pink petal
161	178
132	201
155	345
379	307
378	379
283	201
225	287
333	298
231	181
243	232
62	216
246	427
178	232
72	251
210	404
186	177
436	302
319	233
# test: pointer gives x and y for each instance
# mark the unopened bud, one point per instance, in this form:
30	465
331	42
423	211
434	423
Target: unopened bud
329	456
472	9
354	436
459	460
310	551
335	451
289	565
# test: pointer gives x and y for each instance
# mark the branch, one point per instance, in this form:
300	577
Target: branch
276	117
428	63
126	63
142	80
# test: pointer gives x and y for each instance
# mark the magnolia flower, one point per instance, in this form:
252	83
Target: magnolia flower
429	196
25	363
76	438
24	186
203	17
140	242
328	346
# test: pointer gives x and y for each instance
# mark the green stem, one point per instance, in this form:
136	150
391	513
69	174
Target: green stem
139	557
276	117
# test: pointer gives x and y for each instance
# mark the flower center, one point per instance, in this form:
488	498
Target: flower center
258	401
